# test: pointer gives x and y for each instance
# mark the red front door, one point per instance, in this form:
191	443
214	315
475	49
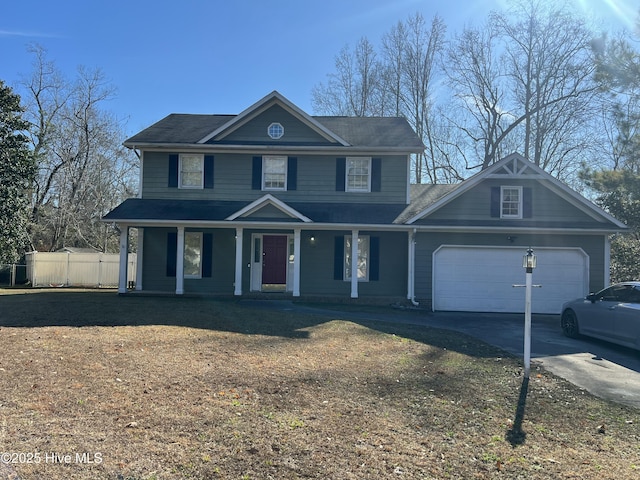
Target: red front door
274	259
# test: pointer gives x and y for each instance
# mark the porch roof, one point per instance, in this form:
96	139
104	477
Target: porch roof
162	210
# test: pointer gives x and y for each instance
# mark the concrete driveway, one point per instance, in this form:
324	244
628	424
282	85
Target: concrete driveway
603	369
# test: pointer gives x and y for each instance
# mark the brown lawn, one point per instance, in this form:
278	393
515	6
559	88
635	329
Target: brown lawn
97	386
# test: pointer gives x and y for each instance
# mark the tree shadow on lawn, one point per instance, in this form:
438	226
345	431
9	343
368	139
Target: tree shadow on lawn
44	308
73	308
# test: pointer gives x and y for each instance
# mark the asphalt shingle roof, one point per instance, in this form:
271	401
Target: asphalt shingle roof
372	132
213	211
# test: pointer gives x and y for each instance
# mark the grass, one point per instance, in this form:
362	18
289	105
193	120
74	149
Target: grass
150	388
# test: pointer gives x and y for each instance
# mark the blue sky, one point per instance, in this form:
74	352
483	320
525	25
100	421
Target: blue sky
214	56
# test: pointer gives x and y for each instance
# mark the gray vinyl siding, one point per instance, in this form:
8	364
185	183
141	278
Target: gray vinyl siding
155	263
475	204
316	181
255	130
317	265
427	243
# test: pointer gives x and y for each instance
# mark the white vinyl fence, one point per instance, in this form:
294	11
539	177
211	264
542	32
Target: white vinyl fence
58	269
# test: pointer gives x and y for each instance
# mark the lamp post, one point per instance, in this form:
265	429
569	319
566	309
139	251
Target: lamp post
528	263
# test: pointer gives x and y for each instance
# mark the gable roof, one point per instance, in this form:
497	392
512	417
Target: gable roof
344	133
515	166
268	200
274	98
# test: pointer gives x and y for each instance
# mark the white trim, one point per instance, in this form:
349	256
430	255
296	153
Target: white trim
191	187
296	262
262	202
518	216
585	277
140	173
399	227
274	98
266	158
354	255
355	266
255	284
275	125
346	175
336	150
411	254
510	162
238	273
201	235
124	258
180	262
139	259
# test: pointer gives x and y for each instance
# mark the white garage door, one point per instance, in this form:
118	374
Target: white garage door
481	279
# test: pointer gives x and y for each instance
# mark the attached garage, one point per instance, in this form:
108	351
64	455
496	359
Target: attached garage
481	278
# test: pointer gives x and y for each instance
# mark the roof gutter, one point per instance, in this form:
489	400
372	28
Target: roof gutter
272	149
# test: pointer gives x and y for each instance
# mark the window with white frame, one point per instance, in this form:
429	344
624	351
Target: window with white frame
358	173
362	263
274	173
192	254
191	170
275	131
511	202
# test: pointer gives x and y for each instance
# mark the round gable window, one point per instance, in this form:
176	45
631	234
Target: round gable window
275	131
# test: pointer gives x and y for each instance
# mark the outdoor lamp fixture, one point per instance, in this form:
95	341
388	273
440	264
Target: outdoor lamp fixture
529	261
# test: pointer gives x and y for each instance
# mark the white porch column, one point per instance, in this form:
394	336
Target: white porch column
296	262
139	254
354	264
411	266
124	258
180	262
238	283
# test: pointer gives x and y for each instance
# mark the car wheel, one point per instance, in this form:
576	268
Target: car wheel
569	323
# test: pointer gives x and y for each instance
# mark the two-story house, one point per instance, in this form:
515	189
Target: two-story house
276	200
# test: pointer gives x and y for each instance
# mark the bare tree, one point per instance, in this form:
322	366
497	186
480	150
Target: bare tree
424	44
83	171
354	88
526	79
549	63
475	76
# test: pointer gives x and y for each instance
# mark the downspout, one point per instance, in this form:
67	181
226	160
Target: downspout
412	268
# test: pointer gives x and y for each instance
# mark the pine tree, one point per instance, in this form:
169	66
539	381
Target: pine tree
17	170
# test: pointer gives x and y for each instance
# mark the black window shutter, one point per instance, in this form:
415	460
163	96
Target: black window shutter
292	173
338	258
527	204
256	179
374	259
172	249
495	202
341	170
208	171
207	254
173	171
376	174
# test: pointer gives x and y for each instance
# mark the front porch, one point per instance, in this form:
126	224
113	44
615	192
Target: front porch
247	260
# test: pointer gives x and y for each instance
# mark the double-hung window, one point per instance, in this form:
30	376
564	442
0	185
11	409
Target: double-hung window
191	171
193	255
511	202
358	174
274	173
362	262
